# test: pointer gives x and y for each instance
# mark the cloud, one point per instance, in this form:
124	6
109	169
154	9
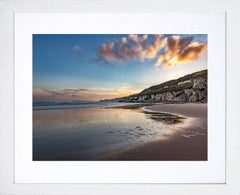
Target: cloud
56	95
77	48
152	50
133	38
167	51
122	42
179	51
75	52
125	50
81	95
106	52
192	52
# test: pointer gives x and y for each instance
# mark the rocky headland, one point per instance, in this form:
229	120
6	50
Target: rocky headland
189	88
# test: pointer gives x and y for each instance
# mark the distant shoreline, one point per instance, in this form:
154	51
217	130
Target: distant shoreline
74	105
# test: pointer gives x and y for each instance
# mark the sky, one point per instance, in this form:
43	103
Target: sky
92	67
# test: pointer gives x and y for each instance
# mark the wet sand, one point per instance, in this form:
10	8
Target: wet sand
177	146
89	133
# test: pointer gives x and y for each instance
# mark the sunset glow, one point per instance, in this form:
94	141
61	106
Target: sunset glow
95	67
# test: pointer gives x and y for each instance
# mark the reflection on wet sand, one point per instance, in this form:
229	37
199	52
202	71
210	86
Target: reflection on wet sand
185	140
165	117
87	133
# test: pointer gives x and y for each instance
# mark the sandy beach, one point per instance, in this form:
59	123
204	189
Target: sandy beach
128	132
178	146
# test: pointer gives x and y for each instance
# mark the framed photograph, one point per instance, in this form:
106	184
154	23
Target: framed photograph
102	98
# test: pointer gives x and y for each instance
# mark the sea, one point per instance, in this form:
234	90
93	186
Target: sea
71	105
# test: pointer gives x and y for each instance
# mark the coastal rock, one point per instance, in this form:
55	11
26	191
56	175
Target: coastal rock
188	92
159	97
153	97
200	83
180	98
163	97
169	96
142	98
194	97
189	88
202	94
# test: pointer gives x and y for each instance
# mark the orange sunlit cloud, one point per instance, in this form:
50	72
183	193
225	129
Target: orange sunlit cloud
180	51
151	51
167	51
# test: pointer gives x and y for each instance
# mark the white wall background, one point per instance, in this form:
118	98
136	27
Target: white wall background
7	8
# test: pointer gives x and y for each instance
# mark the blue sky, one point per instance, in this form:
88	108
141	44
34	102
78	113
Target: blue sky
94	67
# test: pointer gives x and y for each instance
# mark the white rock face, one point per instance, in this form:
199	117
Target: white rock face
153	97
142	98
158	97
169	96
199	83
180	98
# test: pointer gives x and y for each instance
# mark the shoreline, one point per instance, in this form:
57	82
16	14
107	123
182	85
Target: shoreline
184	109
178	147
